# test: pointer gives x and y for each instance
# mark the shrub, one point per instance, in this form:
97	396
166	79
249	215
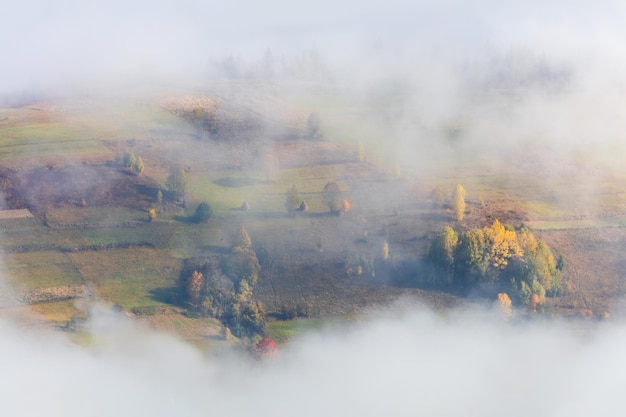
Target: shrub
203	213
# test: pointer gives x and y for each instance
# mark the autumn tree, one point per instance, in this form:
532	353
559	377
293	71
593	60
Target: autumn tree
177	182
503	244
242	265
504	303
292	202
458	202
241	238
333	197
194	287
266	347
384	252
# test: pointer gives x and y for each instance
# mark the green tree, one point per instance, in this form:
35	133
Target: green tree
138	166
176	182
242	265
292	202
458	202
538	263
203	212
442	252
472	256
128	159
332	196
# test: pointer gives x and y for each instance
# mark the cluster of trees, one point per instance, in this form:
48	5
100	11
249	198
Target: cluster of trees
497	256
225	289
133	163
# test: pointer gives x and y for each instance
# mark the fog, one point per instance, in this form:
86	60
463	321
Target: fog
404	361
512	76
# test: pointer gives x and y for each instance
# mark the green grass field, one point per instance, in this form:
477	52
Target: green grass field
40	269
135	278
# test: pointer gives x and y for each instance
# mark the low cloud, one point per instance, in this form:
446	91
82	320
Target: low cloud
405	361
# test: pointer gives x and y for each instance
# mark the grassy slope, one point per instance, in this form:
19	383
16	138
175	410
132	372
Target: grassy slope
138	277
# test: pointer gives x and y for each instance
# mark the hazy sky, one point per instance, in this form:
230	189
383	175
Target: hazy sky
70	41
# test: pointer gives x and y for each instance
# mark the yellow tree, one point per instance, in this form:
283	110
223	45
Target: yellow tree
503	243
504	302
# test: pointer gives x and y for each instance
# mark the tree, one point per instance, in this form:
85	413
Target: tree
504	302
313	125
442	251
177	182
384	252
194	287
138	166
242	265
345	207
437	197
458	202
332	196
203	213
266	347
472	256
292	202
241	239
129	159
503	244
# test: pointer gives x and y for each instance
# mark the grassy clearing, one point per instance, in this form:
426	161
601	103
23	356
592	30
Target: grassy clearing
193	329
156	234
288	329
59	312
262	196
41	270
93	215
130	277
578	224
30	234
191	240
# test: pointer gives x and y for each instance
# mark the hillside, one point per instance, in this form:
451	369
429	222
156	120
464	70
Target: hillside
92	237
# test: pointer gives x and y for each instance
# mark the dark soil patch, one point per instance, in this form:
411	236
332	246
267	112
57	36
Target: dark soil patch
85	185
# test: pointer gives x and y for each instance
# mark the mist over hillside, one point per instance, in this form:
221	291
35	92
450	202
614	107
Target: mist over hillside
532	91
